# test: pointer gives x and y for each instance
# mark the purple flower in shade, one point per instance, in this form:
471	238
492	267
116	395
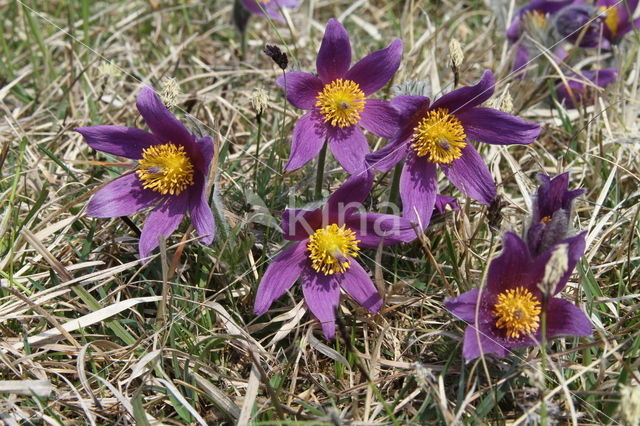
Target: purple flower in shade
270	8
326	241
171	175
440	134
581	24
580	89
551	212
509	308
534	17
337	101
618	19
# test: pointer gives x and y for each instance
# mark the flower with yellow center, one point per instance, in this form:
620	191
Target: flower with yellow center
165	168
331	247
341	103
518	312
439	136
612	19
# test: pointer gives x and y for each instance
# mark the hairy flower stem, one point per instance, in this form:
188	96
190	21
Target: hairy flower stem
395	188
543	362
257	159
320	172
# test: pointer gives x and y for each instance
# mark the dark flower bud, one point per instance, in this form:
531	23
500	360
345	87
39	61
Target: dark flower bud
240	16
582	24
278	56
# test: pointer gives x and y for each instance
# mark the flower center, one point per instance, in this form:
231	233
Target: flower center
165	169
517	311
341	102
612	19
537	19
546	219
439	136
330	249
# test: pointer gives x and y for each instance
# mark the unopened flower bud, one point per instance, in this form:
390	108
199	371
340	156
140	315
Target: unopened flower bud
170	90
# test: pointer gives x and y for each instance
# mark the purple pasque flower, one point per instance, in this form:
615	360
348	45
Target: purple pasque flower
534	18
581	89
506	313
270	8
171	173
618	18
551	212
440	134
337	101
581	24
326	242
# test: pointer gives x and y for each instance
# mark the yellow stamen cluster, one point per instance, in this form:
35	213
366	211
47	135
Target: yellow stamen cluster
517	311
165	169
537	18
341	102
439	136
331	247
612	18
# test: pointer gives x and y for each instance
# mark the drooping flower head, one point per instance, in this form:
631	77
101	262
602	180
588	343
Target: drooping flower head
551	213
509	308
338	103
171	173
326	243
580	89
439	135
270	8
618	18
533	19
581	24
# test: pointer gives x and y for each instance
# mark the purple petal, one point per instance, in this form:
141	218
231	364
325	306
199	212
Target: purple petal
373	228
253	6
163	220
442	201
482	340
291	4
200	211
380	118
375	70
205	145
467	97
513	268
280	275
471	176
357	283
496	127
122	197
521	61
389	155
464	306
308	138
126	142
410	106
334	56
349	146
298	224
301	88
351	194
322	295
166	127
418	189
565	318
